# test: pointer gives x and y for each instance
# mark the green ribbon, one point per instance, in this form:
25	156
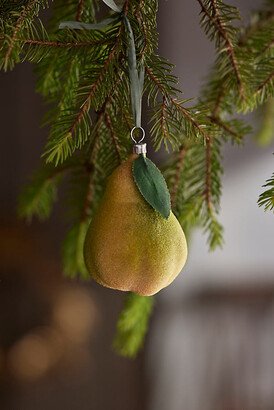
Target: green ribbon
136	77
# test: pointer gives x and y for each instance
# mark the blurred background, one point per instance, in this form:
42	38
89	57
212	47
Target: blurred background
211	340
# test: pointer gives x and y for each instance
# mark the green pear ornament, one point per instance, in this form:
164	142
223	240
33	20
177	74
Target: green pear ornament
130	245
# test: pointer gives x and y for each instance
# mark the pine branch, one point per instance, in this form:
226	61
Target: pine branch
185	175
192	123
226	128
212	226
72	255
113	136
19	23
80	9
72	10
190	117
160	80
60	44
179	167
88	200
71	131
207	191
194	177
260	21
266	199
72	252
38	197
24	17
132	325
268	79
216	19
265	134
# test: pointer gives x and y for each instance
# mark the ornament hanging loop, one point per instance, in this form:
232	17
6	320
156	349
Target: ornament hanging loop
132	134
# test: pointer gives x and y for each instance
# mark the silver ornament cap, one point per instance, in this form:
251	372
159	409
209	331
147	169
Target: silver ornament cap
140	148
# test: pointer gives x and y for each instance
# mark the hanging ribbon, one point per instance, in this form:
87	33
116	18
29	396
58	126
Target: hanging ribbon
136	77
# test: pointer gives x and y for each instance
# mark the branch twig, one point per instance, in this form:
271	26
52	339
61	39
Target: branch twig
179	166
18	24
216	20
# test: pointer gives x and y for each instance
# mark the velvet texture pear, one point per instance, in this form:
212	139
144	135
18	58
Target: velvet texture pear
129	246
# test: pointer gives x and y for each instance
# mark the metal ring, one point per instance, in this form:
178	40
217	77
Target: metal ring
132	137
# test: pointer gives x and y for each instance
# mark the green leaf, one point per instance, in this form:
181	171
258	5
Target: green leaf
152	185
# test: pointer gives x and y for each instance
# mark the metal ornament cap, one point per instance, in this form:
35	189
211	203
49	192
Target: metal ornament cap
140	148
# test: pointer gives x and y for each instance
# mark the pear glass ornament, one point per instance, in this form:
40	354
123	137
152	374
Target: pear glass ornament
129	245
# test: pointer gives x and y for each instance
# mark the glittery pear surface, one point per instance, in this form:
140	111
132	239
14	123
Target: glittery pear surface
129	246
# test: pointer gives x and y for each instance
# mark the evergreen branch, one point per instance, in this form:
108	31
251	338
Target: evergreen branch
194	180
25	16
179	167
132	325
190	117
17	26
72	131
213	13
265	135
215	233
145	46
181	121
113	136
72	255
60	151
38	197
68	11
185	176
9	8
212	193
60	44
93	89
266	199
147	38
88	200
160	81
208	167
224	126
268	79
80	9
164	125
268	46
165	128
258	22
218	102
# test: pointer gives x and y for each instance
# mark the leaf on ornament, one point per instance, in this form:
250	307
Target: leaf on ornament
115	5
152	185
